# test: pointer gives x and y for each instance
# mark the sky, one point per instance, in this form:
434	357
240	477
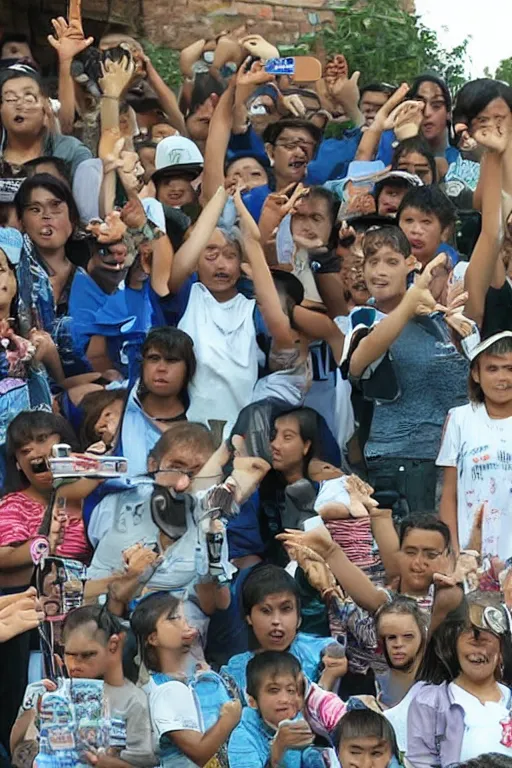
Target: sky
487	21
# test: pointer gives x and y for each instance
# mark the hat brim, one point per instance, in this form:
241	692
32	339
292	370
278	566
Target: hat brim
188	171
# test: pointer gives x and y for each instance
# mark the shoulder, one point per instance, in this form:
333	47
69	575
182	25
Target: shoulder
19	502
69	145
430	696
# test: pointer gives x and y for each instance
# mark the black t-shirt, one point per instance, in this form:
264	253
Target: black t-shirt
498	310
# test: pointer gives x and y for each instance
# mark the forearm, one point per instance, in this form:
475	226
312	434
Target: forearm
386	537
13	558
66	97
318	326
380	339
277	322
353	581
217	144
107	197
369	142
161	265
167	99
52	362
109	113
448	506
200	748
332	292
20	728
97	354
185	261
96	587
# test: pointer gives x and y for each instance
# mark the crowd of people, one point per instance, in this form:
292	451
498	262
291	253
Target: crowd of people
255	410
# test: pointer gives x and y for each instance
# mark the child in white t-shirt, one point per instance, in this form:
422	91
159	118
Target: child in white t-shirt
177	716
476	453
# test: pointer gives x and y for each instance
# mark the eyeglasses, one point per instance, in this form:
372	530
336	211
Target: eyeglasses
29	99
436	104
302	143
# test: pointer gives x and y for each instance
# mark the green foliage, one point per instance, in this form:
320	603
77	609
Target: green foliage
166	62
388	44
504	71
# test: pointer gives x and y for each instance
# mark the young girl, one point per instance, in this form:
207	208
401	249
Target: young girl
271	606
475	452
164	639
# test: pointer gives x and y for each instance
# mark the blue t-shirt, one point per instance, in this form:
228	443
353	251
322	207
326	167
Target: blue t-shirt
333	158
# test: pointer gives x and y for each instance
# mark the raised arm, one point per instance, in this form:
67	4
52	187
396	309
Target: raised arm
185	260
166	97
217	144
69	41
316	325
277	322
485	258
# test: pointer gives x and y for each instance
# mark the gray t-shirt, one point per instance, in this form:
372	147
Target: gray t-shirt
131	704
432	377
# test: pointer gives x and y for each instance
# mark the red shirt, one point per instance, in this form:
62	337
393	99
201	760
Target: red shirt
21	518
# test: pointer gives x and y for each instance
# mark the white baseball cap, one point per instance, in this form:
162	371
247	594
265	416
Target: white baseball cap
473	353
177	156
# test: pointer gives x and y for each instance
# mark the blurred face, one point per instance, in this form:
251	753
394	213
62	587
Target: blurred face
423	231
291	153
84	655
496	114
247	171
435	115
279	699
162	131
370	104
108	422
390	198
46	221
15	50
32	460
180	463
275	621
385	273
173	633
479	655
421	556
401	637
147	159
312	222
175	192
219	267
163	375
288	447
198	124
494	374
365	752
8	284
416	163
22	107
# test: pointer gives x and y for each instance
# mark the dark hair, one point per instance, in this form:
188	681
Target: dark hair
106	623
364	724
274	130
28	426
402	605
16	74
441	663
188	435
262	160
143	623
270	664
382	237
54	186
500	347
309	429
378	88
145	143
415	144
264	580
175	344
489	760
333	206
92	405
476	95
29	168
424	522
13	37
430	77
432	201
204	86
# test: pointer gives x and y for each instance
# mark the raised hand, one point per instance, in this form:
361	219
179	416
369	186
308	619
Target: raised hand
493	136
138	559
116	76
466	143
278	204
256	45
419	295
21	615
247	224
381	120
190	55
69	38
292	104
318	539
112	230
405	120
360	493
254	75
133	214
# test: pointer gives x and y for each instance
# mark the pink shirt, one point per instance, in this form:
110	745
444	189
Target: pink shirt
21	518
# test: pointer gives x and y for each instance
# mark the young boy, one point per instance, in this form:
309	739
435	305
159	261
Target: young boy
93	649
272	732
427	218
408	366
366	740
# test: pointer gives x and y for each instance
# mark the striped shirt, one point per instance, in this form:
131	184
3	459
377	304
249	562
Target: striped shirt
21	518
